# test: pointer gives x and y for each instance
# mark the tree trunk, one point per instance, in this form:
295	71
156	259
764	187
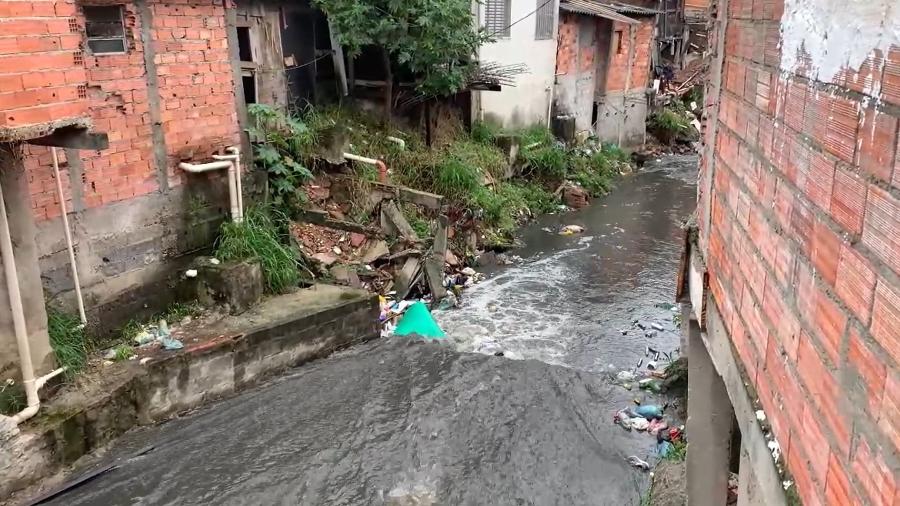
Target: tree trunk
388	84
428	138
351	75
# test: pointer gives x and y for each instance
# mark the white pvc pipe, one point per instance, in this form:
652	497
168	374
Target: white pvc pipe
235	158
68	232
18	316
382	167
397	140
197	168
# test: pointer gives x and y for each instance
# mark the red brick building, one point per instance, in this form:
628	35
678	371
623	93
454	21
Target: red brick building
603	68
795	274
155	77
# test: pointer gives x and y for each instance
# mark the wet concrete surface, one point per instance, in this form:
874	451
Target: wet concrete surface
394	422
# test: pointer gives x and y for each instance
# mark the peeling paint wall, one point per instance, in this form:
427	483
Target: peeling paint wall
826	36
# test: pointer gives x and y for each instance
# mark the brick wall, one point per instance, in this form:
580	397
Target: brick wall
618	69
801	233
196	106
41	76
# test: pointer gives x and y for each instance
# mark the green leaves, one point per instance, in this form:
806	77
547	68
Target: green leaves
434	39
283	141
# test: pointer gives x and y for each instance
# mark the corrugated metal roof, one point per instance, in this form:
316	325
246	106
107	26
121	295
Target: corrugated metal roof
633	9
594	9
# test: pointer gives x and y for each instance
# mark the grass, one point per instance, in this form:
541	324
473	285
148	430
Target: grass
257	238
670	123
68	340
12	398
123	352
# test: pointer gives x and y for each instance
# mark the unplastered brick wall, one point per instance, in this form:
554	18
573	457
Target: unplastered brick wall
194	101
802	242
620	65
41	67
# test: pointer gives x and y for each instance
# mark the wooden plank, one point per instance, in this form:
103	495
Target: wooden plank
434	271
395	218
429	200
324	219
439	249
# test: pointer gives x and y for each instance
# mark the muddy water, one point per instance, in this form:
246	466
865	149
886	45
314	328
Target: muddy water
394	422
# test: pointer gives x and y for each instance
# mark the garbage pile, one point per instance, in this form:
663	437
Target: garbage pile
157	334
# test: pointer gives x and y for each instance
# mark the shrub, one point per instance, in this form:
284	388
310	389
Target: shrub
67	339
257	238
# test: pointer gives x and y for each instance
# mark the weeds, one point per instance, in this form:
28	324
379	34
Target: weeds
123	352
257	238
67	339
678	452
12	398
284	145
484	133
669	123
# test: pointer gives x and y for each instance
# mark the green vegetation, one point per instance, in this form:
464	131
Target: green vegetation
434	40
123	352
678	452
669	124
283	145
258	238
12	398
67	338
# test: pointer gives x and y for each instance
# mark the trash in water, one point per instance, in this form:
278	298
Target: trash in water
649	411
625	376
760	415
649	384
650	333
651	365
191	273
775	448
656	426
417	320
468	271
448	302
635	461
571	229
640	424
664	448
656	326
214	261
623	419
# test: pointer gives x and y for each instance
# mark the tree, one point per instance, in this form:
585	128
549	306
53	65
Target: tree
435	39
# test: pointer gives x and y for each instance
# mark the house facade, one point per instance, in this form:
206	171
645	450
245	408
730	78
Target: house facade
525	33
603	69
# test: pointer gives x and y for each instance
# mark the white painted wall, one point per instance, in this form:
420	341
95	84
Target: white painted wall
526	103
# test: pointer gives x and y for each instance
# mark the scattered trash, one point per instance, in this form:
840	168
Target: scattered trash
640	424
571	229
214	261
775	448
663	448
417	320
625	376
656	426
651	365
191	273
171	344
145	360
649	384
635	461
448	302
760	415
649	411
656	326
650	333
786	484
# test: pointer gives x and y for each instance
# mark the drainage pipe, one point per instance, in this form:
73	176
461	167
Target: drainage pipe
382	168
234	156
397	140
197	168
29	382
65	221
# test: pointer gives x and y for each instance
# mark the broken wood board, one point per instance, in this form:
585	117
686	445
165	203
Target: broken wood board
429	200
392	220
324	219
434	271
406	277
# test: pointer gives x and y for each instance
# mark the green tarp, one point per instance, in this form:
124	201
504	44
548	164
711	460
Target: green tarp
417	320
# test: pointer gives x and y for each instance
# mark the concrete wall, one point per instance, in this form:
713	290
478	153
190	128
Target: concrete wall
527	102
169	98
799	216
578	65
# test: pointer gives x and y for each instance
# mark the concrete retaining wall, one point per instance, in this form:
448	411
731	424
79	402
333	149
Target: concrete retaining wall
135	394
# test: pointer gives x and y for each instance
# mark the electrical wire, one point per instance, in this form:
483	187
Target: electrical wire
310	62
523	18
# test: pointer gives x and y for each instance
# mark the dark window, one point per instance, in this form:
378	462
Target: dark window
496	18
104	28
617	41
249	81
245	51
543	28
